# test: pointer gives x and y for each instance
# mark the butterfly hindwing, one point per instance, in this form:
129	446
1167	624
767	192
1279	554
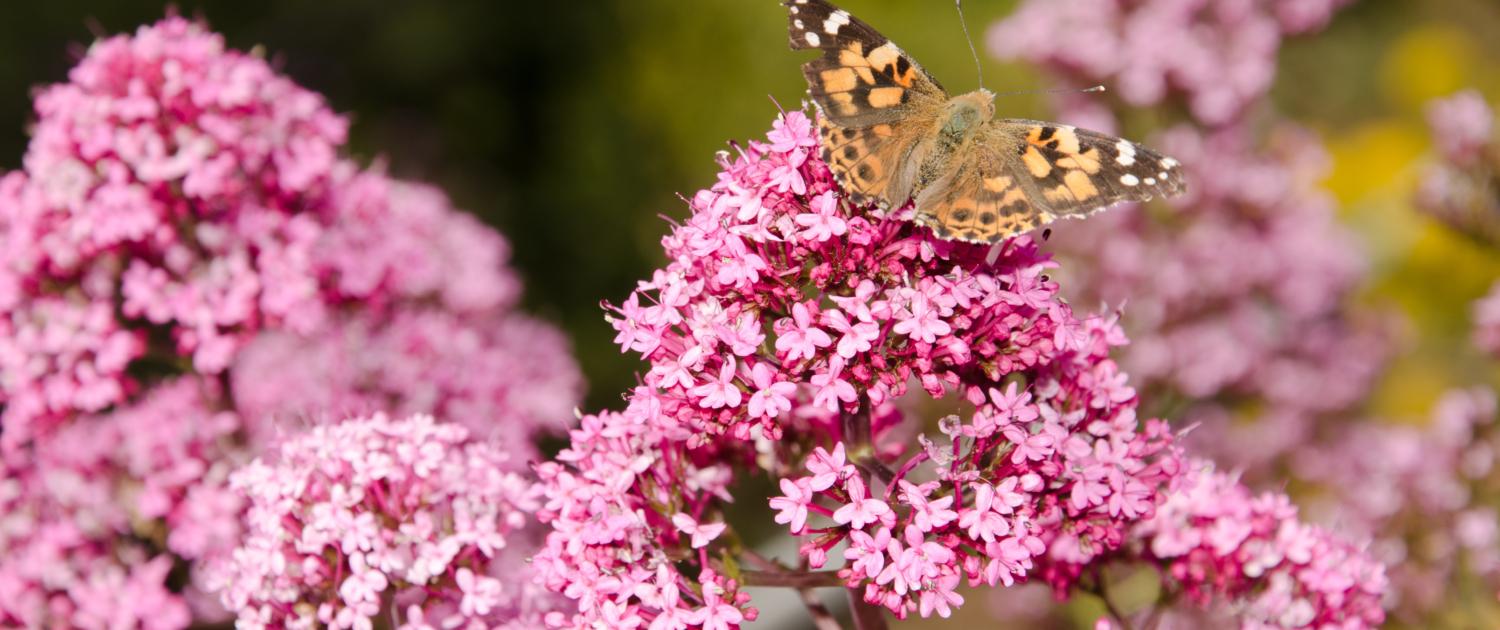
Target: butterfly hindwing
982	201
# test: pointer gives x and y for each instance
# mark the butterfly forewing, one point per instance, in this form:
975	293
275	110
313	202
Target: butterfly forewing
876	102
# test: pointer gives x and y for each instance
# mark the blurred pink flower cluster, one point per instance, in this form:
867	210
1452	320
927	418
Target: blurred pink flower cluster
1236	294
1424	494
1462	189
1216	56
94	517
782	337
350	514
1427	494
193	270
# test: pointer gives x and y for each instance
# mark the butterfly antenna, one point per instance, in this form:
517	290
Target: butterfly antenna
978	67
1097	88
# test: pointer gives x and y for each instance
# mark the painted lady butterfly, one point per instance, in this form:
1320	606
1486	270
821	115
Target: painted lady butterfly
891	133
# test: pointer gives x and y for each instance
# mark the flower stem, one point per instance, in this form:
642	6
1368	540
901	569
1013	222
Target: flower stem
1101	589
791	579
866	616
861	447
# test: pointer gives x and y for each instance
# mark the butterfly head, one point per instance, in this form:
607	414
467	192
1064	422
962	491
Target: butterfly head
966	112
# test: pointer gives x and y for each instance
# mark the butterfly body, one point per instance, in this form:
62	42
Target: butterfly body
891	134
962	117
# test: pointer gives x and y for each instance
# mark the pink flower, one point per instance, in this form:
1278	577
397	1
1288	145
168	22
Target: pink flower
721	392
828	468
702	534
1463	126
791	506
832	389
771	398
927	515
716	614
823	222
791	131
798	338
862	510
921	320
857	337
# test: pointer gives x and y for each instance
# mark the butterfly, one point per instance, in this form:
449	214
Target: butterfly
890	133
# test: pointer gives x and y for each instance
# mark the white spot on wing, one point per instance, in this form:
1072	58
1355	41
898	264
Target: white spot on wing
798	23
1126	152
1170	163
813	39
834	21
1150	181
1129	180
1162	175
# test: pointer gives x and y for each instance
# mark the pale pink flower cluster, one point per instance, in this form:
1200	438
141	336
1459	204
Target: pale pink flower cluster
1460	189
1486	312
1225	548
352	521
163	182
783	335
1462	127
1424	494
191	268
93	518
1218	56
504	379
203	193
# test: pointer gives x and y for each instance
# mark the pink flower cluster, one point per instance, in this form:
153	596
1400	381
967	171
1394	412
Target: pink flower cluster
783	335
91	519
789	322
1218	56
1462	127
191	269
505	380
626	502
352	521
1424	494
1221	546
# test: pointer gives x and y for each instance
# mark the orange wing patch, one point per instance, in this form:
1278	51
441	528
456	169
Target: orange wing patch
861	159
1054	155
